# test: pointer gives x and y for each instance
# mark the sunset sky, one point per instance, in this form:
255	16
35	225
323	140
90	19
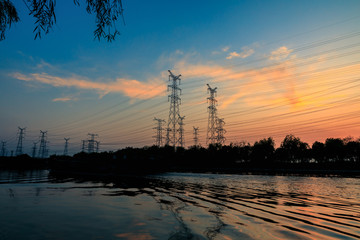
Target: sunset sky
280	67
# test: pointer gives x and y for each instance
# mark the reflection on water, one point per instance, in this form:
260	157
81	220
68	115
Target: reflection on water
36	205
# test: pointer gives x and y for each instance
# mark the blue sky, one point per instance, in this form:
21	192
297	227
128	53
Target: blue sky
70	84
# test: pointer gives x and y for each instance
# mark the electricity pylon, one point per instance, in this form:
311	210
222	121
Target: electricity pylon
42	148
181	131
211	130
97	146
33	155
83	146
174	111
158	137
19	147
196	136
91	142
220	131
3	148
66	146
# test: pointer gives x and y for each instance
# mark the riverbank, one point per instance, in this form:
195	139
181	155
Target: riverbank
100	166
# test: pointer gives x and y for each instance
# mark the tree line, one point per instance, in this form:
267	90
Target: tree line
263	152
334	153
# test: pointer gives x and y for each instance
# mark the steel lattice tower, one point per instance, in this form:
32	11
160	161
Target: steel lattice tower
66	146
211	130
3	148
97	146
83	146
42	148
196	136
91	142
174	111
220	131
181	131
158	137
33	155
19	146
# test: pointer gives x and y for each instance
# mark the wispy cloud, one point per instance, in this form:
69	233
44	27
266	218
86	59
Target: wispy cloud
225	49
246	83
215	72
280	53
64	99
222	50
246	52
130	87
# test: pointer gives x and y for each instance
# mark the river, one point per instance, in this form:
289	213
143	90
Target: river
39	205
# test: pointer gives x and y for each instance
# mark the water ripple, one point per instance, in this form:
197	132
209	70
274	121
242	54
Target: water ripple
179	206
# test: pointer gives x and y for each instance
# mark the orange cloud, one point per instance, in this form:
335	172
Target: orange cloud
246	52
231	99
64	99
129	87
280	53
225	49
287	83
239	84
215	72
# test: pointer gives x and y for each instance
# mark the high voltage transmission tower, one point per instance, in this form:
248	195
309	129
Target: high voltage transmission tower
181	131
220	131
97	146
19	147
158	137
92	142
215	131
33	155
83	145
3	148
211	129
196	136
43	148
66	146
174	111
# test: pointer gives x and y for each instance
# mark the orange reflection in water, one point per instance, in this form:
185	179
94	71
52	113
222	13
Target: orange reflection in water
135	236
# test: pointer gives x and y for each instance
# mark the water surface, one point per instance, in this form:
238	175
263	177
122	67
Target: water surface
36	205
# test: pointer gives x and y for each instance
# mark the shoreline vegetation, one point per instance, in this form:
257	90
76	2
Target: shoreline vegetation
334	157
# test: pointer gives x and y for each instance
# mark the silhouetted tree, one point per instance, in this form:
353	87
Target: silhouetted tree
8	16
244	152
318	151
196	156
352	151
294	149
214	147
335	150
263	151
107	13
